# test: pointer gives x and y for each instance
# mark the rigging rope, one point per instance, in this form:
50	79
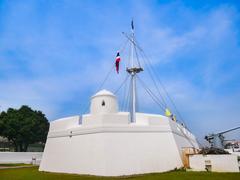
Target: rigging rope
124	96
122	49
106	77
151	94
162	85
121	85
151	76
127	103
137	102
139	65
108	74
188	139
155	84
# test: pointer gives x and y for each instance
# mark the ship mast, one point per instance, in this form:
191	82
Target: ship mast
133	70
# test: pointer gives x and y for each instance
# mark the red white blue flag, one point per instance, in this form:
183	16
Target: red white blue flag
117	62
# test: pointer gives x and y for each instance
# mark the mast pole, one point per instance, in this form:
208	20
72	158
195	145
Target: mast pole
133	71
133	116
133	98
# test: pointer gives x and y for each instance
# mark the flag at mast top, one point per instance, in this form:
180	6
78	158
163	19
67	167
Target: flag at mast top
132	25
132	44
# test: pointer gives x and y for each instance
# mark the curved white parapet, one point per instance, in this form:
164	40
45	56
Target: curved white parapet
107	144
65	123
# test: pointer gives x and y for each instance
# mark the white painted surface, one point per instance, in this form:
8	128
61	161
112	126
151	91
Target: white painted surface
104	102
107	144
236	151
64	123
219	163
20	157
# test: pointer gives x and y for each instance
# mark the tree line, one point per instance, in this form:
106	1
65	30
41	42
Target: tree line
23	127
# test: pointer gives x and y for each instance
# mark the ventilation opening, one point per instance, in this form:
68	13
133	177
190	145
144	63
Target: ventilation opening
103	103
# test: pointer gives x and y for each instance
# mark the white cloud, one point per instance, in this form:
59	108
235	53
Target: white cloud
63	62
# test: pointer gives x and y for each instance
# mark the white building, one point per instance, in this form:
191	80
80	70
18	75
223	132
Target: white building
214	162
106	143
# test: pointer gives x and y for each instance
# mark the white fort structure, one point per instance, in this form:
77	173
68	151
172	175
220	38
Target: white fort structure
109	142
106	143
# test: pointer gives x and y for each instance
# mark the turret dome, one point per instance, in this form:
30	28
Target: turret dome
103	102
103	92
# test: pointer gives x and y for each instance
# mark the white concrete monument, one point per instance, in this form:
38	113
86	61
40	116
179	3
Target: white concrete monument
106	142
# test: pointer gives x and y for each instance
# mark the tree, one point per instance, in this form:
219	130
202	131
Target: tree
23	126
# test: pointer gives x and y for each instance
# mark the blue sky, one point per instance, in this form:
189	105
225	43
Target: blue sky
54	54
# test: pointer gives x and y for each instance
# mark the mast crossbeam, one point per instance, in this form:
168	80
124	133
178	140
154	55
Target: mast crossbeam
134	70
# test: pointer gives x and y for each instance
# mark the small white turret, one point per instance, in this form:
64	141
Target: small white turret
103	102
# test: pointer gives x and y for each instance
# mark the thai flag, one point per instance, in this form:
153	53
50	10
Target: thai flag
117	62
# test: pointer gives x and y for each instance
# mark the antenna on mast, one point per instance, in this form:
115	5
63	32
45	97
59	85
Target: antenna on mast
133	70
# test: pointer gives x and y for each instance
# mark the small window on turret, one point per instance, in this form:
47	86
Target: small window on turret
103	103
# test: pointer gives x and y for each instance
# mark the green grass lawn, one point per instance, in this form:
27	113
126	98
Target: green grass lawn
33	174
